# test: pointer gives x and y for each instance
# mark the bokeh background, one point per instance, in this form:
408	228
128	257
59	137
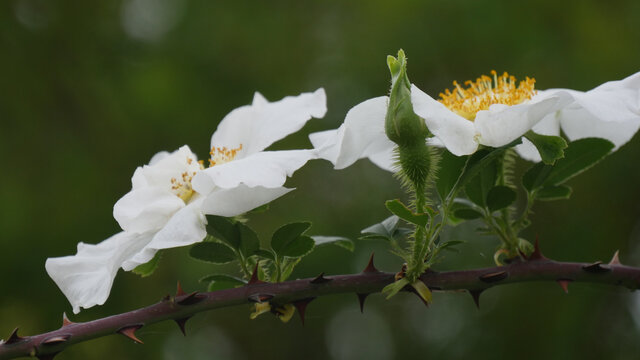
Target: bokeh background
90	90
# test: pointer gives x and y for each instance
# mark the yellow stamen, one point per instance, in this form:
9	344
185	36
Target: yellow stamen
486	91
221	155
182	186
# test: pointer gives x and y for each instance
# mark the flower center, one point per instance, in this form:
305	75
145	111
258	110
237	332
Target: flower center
181	186
486	91
221	155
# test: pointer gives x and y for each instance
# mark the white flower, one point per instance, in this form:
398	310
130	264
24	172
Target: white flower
610	111
492	111
169	197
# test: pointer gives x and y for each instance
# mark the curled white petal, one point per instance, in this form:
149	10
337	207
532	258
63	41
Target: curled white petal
267	169
86	278
186	227
240	199
549	125
262	123
146	209
164	166
456	133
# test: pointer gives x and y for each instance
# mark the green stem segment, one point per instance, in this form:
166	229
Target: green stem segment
182	307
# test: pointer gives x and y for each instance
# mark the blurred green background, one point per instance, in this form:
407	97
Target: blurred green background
90	90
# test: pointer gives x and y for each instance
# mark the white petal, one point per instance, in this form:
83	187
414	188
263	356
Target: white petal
268	169
455	132
580	123
146	209
86	278
186	227
502	124
259	125
327	143
164	166
239	200
549	125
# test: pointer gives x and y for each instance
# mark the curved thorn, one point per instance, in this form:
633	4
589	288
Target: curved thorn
494	276
192	298
55	340
254	277
301	306
596	268
564	284
615	260
179	291
182	323
130	332
14	337
475	294
537	254
370	267
65	320
320	279
361	299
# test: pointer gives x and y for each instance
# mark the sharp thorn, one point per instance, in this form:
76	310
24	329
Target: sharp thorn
301	306
564	284
615	260
190	299
475	294
361	299
182	323
370	267
596	268
179	291
130	332
254	277
494	276
320	279
65	320
537	254
14	337
259	298
55	340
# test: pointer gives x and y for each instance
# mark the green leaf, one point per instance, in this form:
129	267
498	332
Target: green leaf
479	186
298	247
549	193
385	229
265	254
287	234
147	269
449	245
479	160
212	252
249	242
467	214
335	240
221	282
287	268
224	229
578	157
551	148
393	288
451	167
500	197
399	209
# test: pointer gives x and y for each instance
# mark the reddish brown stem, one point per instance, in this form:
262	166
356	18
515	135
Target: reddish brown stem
183	306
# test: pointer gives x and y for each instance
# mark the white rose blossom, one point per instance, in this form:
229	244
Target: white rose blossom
492	111
170	196
610	111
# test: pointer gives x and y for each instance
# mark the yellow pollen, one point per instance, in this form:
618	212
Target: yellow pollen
486	91
221	155
181	186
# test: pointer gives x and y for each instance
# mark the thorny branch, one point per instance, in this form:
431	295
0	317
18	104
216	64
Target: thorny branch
300	292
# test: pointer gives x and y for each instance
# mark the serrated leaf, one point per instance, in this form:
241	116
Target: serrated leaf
343	242
221	282
479	186
297	247
400	210
249	242
499	197
467	214
535	176
451	167
579	156
224	229
286	235
212	252
265	254
147	269
549	193
550	148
